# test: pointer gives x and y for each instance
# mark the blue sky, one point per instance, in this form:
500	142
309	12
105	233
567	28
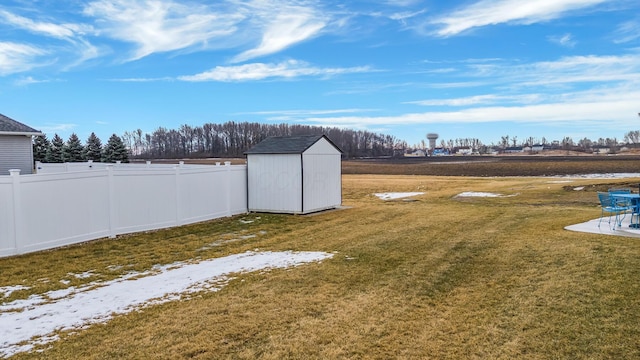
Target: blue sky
463	69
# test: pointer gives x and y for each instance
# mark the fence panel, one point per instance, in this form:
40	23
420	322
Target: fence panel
64	208
55	208
7	240
144	200
203	199
238	194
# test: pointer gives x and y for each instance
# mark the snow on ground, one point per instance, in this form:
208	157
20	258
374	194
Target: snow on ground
25	323
481	194
396	195
6	291
601	176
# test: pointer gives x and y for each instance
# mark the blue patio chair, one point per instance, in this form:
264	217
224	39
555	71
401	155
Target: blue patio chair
633	205
615	207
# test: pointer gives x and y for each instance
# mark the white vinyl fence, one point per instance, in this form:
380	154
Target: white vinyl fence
61	206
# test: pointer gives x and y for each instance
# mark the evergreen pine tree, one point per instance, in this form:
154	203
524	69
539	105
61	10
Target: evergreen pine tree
115	150
40	147
56	150
93	148
73	149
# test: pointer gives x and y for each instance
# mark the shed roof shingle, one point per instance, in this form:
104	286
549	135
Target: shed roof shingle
8	125
287	144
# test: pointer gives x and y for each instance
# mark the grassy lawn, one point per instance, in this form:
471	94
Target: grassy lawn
442	277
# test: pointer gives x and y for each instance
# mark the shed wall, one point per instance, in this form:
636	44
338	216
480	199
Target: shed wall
16	152
322	182
322	147
274	182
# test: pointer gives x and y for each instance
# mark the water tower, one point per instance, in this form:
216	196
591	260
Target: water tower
432	140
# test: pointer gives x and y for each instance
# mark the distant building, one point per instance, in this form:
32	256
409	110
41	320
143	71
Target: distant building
464	150
440	152
537	147
416	153
513	149
16	149
601	149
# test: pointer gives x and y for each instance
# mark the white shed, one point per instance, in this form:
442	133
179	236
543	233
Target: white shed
16	151
294	174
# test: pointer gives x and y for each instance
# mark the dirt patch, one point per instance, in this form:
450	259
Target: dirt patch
487	166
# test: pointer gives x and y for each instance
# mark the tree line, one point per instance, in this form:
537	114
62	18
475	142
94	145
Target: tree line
57	150
233	139
230	139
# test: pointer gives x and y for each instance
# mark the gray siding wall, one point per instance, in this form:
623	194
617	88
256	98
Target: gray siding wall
275	183
16	152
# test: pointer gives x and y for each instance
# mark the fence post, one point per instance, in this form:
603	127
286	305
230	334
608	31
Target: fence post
178	198
17	232
227	164
113	223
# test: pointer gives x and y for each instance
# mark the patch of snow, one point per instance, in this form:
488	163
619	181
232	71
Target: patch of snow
5	291
579	188
29	322
481	194
396	195
601	176
84	275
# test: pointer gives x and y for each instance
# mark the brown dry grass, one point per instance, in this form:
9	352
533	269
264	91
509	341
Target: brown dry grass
441	278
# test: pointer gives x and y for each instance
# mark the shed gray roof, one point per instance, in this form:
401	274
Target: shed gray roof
287	144
10	126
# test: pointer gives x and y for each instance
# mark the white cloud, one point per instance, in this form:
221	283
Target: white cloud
610	108
153	26
16	57
402	16
402	2
282	26
493	12
260	71
478	100
80	49
565	40
293	115
614	107
302	112
565	71
628	31
60	31
29	80
161	26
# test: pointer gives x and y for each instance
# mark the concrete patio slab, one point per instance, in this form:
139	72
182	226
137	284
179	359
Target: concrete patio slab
591	226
